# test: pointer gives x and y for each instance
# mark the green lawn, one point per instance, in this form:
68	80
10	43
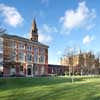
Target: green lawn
50	89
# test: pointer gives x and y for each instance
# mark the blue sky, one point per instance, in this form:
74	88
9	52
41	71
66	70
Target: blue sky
61	23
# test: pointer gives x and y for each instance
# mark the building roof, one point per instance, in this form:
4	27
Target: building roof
52	65
15	37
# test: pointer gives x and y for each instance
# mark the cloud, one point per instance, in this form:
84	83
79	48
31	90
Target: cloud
45	38
88	39
45	33
80	17
11	16
48	29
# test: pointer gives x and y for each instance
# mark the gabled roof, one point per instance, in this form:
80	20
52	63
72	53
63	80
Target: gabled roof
15	37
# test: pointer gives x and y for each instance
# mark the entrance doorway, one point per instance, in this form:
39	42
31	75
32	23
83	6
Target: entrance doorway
29	72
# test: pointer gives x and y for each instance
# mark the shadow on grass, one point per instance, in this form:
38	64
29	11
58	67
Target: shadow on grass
56	92
10	83
95	98
51	88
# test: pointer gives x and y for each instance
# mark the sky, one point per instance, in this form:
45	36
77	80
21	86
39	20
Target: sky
61	23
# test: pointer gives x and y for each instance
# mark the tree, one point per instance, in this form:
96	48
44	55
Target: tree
81	62
97	66
68	59
89	63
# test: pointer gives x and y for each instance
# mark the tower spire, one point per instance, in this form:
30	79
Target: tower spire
34	31
34	26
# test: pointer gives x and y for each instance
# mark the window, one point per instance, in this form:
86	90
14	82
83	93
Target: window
13	55
29	57
35	59
1	45
12	44
42	55
1	52
21	68
29	48
35	55
35	51
7	43
21	56
1	41
21	46
42	59
12	67
42	51
1	60
12	70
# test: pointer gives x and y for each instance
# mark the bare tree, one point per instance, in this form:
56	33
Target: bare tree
68	58
97	66
90	62
85	63
81	62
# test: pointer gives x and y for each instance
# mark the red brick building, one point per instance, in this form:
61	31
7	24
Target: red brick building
22	56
